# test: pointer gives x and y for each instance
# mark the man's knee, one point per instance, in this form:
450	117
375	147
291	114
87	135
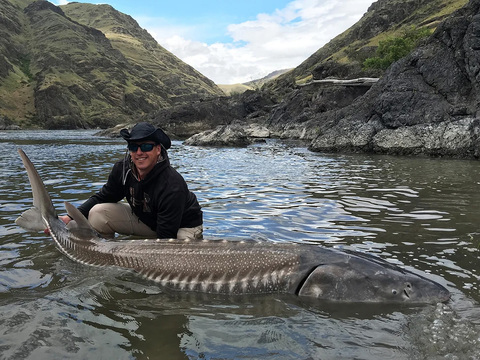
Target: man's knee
100	219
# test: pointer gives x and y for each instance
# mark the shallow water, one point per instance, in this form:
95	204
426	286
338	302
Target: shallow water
419	213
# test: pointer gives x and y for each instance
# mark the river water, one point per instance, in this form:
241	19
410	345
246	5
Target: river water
419	213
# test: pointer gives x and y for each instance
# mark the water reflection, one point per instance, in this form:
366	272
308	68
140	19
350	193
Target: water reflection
420	213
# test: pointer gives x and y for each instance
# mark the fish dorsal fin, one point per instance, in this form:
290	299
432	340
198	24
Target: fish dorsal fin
81	228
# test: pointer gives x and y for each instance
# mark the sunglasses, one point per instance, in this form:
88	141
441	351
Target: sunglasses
146	147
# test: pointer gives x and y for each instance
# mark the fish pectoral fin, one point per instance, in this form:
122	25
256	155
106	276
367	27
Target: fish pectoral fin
81	228
31	220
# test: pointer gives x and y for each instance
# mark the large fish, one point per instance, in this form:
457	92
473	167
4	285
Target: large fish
232	267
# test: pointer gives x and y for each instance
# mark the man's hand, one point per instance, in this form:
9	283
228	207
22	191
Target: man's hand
65	218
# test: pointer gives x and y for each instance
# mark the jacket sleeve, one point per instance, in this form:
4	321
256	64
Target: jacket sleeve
111	192
171	205
169	215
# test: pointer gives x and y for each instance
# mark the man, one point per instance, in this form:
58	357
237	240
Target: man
159	202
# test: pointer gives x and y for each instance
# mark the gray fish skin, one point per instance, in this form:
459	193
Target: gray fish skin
233	267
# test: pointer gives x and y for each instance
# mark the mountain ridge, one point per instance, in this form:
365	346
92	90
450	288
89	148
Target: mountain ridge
60	72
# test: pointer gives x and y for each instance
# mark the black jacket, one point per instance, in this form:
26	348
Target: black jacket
161	200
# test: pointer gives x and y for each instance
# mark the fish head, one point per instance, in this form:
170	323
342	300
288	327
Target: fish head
366	280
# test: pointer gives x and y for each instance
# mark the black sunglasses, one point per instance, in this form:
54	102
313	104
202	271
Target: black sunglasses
145	147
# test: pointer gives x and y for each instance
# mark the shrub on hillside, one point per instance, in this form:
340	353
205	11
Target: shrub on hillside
394	49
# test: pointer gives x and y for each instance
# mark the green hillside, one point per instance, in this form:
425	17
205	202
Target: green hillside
83	65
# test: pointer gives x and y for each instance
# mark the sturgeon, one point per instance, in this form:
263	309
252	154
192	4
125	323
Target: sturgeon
232	266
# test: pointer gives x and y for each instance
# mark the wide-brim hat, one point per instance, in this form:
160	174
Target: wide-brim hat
145	131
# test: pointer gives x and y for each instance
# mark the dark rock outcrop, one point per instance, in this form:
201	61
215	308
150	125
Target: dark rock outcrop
186	120
292	118
427	103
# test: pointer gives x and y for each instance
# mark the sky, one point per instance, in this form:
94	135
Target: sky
236	41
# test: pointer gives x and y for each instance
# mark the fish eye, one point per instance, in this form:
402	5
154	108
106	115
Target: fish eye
409	285
394	292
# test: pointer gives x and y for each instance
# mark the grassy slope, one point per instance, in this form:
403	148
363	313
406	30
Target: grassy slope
16	90
140	48
76	66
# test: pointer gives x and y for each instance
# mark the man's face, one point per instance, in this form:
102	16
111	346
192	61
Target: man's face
144	156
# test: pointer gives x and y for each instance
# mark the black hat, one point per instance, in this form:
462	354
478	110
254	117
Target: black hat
146	131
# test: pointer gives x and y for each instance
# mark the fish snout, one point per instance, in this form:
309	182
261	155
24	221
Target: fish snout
430	292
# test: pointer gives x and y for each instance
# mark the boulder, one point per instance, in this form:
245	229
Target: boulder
6	124
223	135
257	131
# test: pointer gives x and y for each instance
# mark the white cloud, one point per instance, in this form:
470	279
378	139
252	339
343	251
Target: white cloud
271	42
